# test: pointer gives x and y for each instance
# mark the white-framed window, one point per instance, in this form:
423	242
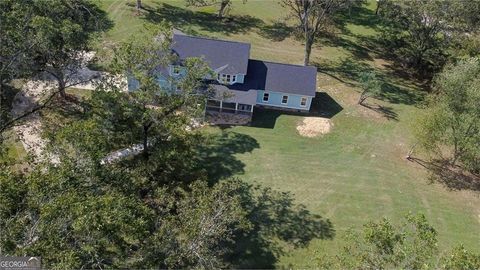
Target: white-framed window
176	70
266	96
228	78
284	99
234	78
303	102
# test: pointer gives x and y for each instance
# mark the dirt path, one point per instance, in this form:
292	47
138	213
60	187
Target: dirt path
29	131
33	93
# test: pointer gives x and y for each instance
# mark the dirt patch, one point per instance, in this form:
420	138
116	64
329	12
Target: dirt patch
314	126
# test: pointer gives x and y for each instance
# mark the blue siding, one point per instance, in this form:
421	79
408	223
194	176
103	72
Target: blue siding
275	99
133	83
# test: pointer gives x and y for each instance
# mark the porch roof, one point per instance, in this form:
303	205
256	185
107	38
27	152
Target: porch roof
226	94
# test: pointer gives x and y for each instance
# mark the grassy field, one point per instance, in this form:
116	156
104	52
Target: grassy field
357	172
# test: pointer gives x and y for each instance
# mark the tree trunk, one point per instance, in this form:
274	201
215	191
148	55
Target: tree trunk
223	6
361	100
139	5
378	7
308	50
61	88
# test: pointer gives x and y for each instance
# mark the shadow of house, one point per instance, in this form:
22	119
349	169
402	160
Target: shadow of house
182	18
323	105
216	157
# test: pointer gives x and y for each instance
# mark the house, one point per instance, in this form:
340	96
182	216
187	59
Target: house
241	83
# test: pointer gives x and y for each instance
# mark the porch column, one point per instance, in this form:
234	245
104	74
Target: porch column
221	104
236	107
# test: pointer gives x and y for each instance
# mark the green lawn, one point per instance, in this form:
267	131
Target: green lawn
357	172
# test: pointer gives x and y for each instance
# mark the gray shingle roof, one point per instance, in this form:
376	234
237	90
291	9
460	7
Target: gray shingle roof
226	93
285	78
222	56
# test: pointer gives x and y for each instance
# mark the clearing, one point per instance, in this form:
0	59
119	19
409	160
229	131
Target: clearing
352	174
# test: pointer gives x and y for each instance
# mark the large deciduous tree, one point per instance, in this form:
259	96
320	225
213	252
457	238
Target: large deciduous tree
313	17
450	127
145	59
421	32
81	214
64	31
46	37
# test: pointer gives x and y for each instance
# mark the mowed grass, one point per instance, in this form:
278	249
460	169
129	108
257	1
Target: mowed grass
357	172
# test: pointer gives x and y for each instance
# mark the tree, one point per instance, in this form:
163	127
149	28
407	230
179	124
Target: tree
142	59
64	30
80	214
409	245
313	17
450	127
370	85
461	258
46	37
223	5
382	245
420	33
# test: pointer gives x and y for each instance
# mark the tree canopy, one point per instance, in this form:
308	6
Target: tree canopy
47	37
421	33
411	244
450	127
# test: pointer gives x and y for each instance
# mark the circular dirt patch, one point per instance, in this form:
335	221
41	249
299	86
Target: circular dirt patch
314	126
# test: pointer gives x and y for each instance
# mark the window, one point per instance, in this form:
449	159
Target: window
303	102
228	77
265	97
234	78
176	70
284	99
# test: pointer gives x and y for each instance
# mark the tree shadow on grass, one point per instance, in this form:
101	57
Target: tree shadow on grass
452	177
357	15
277	31
276	221
183	18
348	71
323	105
216	156
385	111
357	49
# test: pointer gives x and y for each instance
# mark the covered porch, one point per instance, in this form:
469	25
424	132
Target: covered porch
221	106
230	106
